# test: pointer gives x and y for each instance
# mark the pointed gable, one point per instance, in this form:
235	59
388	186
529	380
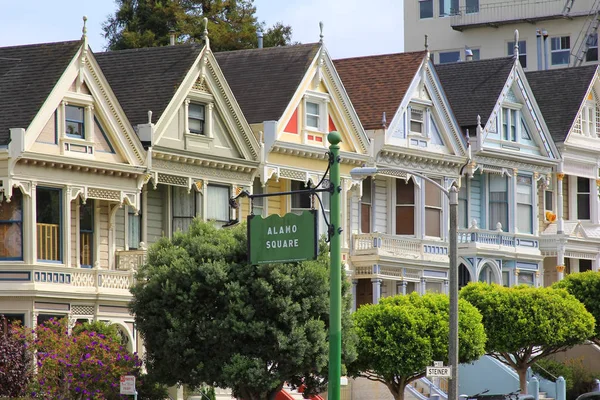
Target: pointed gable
27	76
377	84
560	111
265	80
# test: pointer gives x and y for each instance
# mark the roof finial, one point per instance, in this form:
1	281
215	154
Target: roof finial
206	40
84	29
149	116
516	50
321	31
426	43
384	121
478	119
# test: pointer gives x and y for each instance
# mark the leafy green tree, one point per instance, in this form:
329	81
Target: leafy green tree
232	24
206	316
585	286
402	335
526	324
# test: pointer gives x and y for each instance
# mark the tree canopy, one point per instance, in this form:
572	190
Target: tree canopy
402	335
525	324
232	24
206	316
585	287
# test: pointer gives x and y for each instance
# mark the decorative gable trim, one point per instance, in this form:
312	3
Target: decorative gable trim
576	123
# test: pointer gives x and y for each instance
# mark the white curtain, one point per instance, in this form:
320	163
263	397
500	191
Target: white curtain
217	203
184	208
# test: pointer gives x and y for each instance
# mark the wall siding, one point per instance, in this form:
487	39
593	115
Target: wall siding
155	202
475	200
74	233
276	204
120	228
103	226
381	205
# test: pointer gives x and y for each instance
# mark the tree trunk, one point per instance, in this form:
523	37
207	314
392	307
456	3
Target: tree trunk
522	371
399	394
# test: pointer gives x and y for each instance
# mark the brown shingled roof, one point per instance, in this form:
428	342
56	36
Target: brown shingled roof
377	84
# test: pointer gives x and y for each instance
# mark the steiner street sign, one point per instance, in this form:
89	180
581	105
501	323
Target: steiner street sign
278	239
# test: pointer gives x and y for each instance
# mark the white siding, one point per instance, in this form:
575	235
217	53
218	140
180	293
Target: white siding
353	215
381	205
155	212
120	228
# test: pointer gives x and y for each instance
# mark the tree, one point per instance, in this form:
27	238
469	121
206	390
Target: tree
232	24
402	335
525	324
206	316
15	361
585	286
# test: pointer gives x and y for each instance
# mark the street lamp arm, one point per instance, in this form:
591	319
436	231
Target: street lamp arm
363	172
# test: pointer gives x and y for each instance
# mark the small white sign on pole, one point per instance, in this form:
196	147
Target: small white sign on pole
128	385
438	363
439	372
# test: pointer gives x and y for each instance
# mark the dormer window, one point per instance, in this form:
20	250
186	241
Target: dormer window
588	119
313	115
74	121
417	121
509	124
196	118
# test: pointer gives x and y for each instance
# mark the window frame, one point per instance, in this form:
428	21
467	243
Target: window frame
321	99
422	121
451	10
430	11
133	218
220	186
580	194
81	122
202	120
491	223
366	205
560	50
12	222
530	187
592	40
299	210
182	217
588	119
437	194
259	202
457	52
405	183
82	232
59	240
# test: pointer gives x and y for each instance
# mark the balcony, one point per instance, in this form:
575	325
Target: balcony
130	260
509	12
399	247
496	243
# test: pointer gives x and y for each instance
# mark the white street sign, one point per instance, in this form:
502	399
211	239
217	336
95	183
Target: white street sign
439	372
438	363
128	384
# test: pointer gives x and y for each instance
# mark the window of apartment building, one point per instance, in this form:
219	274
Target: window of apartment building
588	118
560	50
524	204
48	223
510	50
74	121
498	201
300	201
472	6
476	54
86	234
425	9
448	7
11	227
365	205
196	118
447	57
417	120
258	203
217	203
184	204
433	210
583	198
463	206
405	207
592	52
134	228
509	124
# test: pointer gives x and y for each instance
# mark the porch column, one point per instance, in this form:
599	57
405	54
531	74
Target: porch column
401	288
560	261
376	290
144	229
66	221
538	279
423	286
354	283
30	227
596	263
560	223
516	276
512	196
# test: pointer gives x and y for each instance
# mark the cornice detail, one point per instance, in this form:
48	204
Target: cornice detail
390	157
511	165
317	154
210	170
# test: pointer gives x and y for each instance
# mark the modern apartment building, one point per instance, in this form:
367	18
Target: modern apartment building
552	33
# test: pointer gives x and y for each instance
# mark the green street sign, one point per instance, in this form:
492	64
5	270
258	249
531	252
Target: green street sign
277	239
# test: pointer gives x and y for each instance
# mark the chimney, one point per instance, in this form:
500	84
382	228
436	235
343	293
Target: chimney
172	37
468	54
259	34
538	36
546	55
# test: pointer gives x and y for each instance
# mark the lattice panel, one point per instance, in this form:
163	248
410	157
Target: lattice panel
201	86
173	180
115	281
82	310
83	279
292	174
577	125
104	194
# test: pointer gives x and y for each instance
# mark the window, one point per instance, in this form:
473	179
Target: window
405	207
592	42
425	9
505	279
313	116
433	210
476	54
325	210
463	207
258	203
11	227
196	118
366	203
86	234
588	119
300	201
549	198
526	278
184	208
524	204
449	57
14	319
583	198
134	223
509	124
416	121
585	265
560	50
217	203
48	214
472	6
510	50
448	7
498	202
74	121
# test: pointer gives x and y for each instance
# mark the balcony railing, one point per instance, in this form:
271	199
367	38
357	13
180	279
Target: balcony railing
130	260
48	242
497	240
504	12
399	246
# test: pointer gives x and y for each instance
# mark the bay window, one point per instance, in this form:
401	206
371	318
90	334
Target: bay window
433	210
583	198
11	227
498	202
405	207
524	204
48	223
365	206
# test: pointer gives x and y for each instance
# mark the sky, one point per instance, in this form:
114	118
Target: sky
351	27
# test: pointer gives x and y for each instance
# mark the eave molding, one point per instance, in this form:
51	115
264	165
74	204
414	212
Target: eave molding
316	153
426	162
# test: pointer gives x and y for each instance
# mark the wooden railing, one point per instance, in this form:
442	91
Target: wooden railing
85	243
48	242
130	260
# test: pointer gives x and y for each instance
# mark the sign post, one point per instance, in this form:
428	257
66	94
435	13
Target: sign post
128	386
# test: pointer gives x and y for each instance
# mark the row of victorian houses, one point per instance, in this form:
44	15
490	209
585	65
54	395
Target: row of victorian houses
102	154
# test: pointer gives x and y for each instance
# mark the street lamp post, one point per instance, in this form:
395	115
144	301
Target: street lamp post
452	194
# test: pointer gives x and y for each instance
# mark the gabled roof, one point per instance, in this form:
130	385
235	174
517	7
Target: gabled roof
146	79
473	87
377	84
27	76
265	80
560	110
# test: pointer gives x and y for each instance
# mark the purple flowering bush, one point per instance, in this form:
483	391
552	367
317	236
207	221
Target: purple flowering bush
15	361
